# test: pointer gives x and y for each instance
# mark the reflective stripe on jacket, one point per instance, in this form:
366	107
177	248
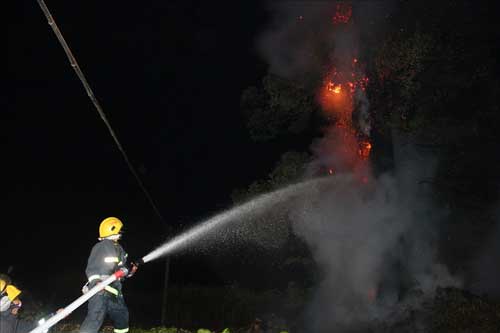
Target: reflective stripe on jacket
106	258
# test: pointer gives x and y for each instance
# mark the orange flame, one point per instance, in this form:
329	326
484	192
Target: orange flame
337	101
365	148
335	88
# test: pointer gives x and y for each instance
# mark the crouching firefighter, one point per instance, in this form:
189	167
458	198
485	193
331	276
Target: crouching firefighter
10	304
106	257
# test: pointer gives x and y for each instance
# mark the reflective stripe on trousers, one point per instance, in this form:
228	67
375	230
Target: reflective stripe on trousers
112	290
104	304
125	330
109	289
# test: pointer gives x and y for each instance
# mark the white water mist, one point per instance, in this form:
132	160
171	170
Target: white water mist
216	223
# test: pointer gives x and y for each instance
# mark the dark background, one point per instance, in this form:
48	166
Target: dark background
169	76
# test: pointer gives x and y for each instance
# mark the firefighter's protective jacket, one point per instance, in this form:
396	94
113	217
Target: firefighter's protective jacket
9	323
106	258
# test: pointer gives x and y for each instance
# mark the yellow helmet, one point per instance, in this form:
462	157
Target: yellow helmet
109	227
12	292
9	290
3	285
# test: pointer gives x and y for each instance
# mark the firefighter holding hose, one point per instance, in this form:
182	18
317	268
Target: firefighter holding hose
106	257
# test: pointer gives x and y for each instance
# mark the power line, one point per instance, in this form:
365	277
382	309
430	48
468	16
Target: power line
94	100
99	109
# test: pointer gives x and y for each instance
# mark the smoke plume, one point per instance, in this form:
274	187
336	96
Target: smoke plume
486	269
374	238
375	244
296	44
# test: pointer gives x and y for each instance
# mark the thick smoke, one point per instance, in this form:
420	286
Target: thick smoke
361	113
375	240
305	45
375	244
299	41
486	270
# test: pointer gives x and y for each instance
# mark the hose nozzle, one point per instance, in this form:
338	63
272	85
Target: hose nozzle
138	262
122	272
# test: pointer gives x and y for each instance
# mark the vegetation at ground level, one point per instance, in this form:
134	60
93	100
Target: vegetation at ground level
434	78
450	310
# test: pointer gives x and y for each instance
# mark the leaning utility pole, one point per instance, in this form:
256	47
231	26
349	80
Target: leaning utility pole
164	307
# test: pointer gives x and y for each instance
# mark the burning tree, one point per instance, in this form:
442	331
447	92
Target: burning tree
347	142
333	93
418	83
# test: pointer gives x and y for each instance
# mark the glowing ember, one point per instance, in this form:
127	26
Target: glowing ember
335	88
350	147
338	102
364	149
356	80
343	13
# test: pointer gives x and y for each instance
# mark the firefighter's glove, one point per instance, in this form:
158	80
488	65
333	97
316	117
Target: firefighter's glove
85	288
90	285
133	268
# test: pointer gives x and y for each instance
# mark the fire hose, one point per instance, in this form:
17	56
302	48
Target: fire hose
79	301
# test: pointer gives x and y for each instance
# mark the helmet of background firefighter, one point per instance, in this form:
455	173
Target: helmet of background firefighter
110	226
8	293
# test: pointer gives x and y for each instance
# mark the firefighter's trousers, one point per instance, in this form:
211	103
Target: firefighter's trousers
103	304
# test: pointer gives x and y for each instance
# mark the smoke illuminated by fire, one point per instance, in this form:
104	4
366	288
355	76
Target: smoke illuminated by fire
370	235
342	84
317	43
337	98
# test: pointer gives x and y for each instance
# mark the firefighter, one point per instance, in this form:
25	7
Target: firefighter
9	309
106	257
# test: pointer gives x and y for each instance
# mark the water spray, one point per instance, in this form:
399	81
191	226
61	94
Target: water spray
189	237
260	203
179	242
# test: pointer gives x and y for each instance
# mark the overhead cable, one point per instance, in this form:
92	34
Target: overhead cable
94	100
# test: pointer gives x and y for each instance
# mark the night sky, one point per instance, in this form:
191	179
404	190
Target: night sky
169	76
